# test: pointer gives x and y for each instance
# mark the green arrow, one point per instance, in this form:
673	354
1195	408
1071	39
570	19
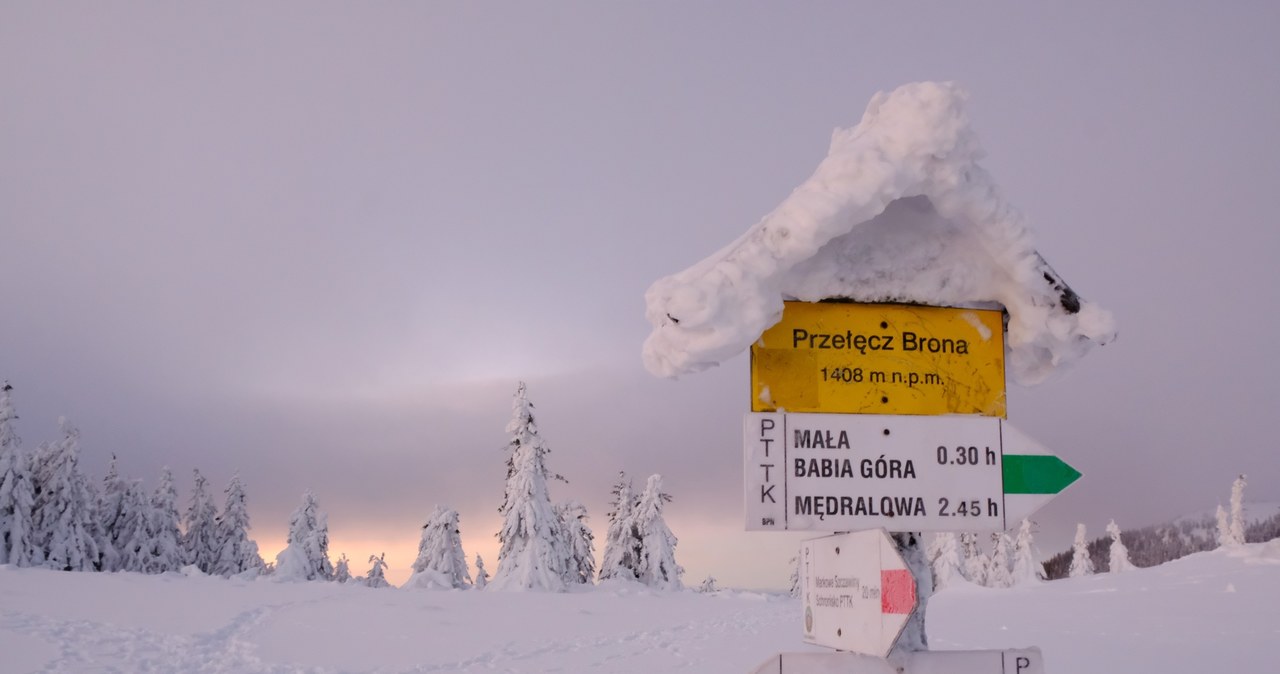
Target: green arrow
1037	474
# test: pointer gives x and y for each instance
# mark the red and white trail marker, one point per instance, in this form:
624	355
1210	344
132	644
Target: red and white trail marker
857	592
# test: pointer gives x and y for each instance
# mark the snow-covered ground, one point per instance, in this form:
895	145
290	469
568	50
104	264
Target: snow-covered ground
1217	611
1208	612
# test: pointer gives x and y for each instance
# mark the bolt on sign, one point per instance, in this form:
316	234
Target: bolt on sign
853	358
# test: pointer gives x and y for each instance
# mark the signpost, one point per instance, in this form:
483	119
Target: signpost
848	358
857	591
838	472
869	418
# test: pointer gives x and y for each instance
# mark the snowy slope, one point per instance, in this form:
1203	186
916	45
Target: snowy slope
1254	513
1208	612
1160	543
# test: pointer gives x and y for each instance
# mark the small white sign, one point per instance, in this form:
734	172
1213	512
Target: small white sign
857	592
1012	661
849	472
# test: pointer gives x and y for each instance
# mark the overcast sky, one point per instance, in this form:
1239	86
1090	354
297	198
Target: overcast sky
319	243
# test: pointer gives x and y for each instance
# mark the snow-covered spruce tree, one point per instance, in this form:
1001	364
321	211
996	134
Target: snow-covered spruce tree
532	553
933	549
1237	511
1026	568
306	557
657	558
236	552
999	566
975	563
17	495
18	544
622	543
342	569
708	585
1224	526
441	563
1119	553
110	513
200	540
164	552
1081	563
63	513
8	434
946	564
580	567
94	529
377	576
132	537
482	576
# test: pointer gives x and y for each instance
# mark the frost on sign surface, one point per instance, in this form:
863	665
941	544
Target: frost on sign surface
898	211
872	358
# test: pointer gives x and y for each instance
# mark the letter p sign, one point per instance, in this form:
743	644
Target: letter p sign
1023	661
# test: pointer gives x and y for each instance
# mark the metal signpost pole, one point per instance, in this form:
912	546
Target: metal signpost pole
911	547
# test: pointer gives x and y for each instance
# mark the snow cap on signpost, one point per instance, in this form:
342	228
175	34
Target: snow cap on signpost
899	211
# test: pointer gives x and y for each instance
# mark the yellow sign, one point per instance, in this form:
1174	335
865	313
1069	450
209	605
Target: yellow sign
880	359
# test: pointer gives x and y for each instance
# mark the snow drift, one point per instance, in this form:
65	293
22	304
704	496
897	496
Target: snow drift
1209	612
898	211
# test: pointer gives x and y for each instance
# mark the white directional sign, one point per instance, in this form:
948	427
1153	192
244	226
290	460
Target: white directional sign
857	592
848	472
1010	661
